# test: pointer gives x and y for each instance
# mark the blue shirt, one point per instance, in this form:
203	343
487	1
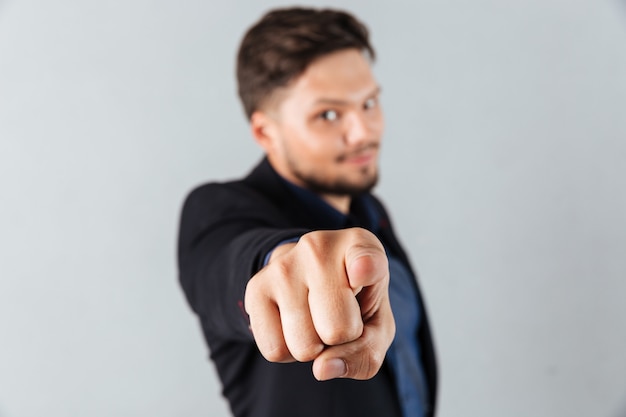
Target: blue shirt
404	355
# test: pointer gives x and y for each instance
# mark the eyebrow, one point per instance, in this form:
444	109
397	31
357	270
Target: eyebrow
338	102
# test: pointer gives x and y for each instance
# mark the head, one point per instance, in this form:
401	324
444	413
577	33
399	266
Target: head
307	88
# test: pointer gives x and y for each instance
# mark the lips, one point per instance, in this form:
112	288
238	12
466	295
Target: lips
361	156
361	159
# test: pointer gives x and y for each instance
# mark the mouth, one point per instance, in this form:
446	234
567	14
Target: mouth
363	156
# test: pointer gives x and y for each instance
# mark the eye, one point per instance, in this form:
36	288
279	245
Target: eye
330	115
370	103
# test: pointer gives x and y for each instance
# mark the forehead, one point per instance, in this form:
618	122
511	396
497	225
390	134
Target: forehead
340	76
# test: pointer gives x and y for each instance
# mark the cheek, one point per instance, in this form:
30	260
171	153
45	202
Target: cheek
300	147
378	123
317	153
318	144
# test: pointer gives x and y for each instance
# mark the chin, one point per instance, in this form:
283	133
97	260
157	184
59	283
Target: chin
354	188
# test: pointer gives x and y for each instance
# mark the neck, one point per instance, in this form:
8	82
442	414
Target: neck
340	203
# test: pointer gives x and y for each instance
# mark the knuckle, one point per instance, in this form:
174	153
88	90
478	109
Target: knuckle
275	353
309	240
365	239
361	233
270	283
334	336
307	353
252	287
313	245
279	270
365	236
256	287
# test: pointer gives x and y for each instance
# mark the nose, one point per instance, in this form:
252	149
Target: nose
359	128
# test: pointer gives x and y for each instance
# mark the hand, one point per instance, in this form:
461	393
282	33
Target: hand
324	299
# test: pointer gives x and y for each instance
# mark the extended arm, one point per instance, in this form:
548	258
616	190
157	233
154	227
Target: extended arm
224	236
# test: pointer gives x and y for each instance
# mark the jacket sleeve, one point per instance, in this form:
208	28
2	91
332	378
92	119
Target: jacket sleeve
225	232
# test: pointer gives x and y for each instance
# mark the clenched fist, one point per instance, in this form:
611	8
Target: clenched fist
324	299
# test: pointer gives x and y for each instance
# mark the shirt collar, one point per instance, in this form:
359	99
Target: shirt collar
362	212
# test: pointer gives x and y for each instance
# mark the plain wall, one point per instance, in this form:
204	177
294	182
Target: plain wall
504	166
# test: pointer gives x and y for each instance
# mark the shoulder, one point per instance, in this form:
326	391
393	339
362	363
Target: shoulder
223	198
258	187
218	191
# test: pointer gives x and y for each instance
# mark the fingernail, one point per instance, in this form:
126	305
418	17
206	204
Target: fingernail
334	368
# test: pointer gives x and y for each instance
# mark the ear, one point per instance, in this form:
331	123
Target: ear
263	129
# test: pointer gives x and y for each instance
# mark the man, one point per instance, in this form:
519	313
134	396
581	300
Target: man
294	270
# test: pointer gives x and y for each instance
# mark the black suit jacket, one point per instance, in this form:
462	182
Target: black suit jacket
225	232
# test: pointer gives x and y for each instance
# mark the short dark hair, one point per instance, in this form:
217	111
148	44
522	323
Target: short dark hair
280	46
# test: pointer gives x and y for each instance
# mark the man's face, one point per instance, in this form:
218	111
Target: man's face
324	131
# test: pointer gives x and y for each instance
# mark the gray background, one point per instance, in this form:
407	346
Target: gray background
503	165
